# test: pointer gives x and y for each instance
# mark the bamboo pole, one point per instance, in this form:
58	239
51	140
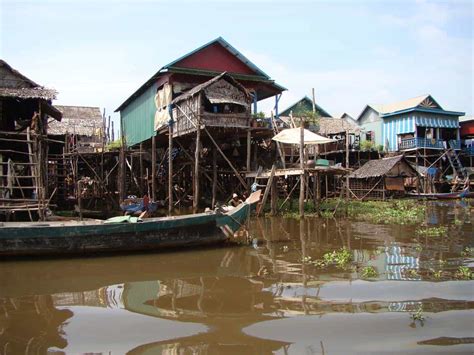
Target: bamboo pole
170	169
302	177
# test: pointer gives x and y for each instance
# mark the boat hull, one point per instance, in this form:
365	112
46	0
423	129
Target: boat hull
75	237
47	239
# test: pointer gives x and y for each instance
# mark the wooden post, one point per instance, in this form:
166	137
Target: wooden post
302	176
318	191
249	148
326	185
170	168
79	199
347	165
196	170
153	168
315	199
142	170
214	177
274	197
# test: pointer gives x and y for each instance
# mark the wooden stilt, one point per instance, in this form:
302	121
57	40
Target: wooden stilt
214	177
142	170
347	165
196	170
170	169
153	168
274	197
249	137
302	177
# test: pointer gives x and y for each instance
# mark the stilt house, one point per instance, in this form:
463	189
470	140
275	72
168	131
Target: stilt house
24	109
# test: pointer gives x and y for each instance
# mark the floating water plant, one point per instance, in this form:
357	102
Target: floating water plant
464	273
341	257
418	316
432	231
369	272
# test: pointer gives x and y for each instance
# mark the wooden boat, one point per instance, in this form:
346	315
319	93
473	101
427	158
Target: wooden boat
444	195
82	237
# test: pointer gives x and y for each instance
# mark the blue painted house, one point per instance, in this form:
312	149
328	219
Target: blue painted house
415	123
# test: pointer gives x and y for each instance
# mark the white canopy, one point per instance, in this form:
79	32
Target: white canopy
292	136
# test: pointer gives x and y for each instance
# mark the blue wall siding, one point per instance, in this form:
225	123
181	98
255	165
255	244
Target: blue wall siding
393	126
138	117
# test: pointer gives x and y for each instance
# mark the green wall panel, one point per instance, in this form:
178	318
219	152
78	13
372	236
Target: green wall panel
138	117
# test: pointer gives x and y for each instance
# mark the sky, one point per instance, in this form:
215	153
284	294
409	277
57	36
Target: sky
353	53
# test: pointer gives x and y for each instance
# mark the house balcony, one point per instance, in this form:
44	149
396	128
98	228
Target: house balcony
419	142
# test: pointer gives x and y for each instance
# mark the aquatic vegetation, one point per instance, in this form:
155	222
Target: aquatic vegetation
432	231
418	316
342	257
467	251
458	222
369	272
319	263
388	212
412	273
306	259
463	272
384	212
437	274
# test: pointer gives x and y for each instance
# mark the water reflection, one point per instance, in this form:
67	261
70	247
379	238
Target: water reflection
265	298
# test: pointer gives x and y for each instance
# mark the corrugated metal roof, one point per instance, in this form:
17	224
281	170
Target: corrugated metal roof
304	103
169	68
401	105
80	120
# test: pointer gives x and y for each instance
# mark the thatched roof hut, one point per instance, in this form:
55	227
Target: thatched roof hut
380	178
331	126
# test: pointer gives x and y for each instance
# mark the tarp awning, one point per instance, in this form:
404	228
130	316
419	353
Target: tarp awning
292	136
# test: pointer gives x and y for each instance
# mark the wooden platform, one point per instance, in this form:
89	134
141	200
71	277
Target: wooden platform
325	170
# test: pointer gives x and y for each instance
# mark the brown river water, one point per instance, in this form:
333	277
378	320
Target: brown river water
267	297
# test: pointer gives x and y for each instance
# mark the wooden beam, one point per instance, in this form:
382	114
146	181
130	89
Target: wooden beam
237	174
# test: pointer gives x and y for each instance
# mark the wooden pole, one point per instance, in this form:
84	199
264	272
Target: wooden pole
153	168
170	168
142	170
347	164
214	177
302	176
274	197
249	148
196	170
